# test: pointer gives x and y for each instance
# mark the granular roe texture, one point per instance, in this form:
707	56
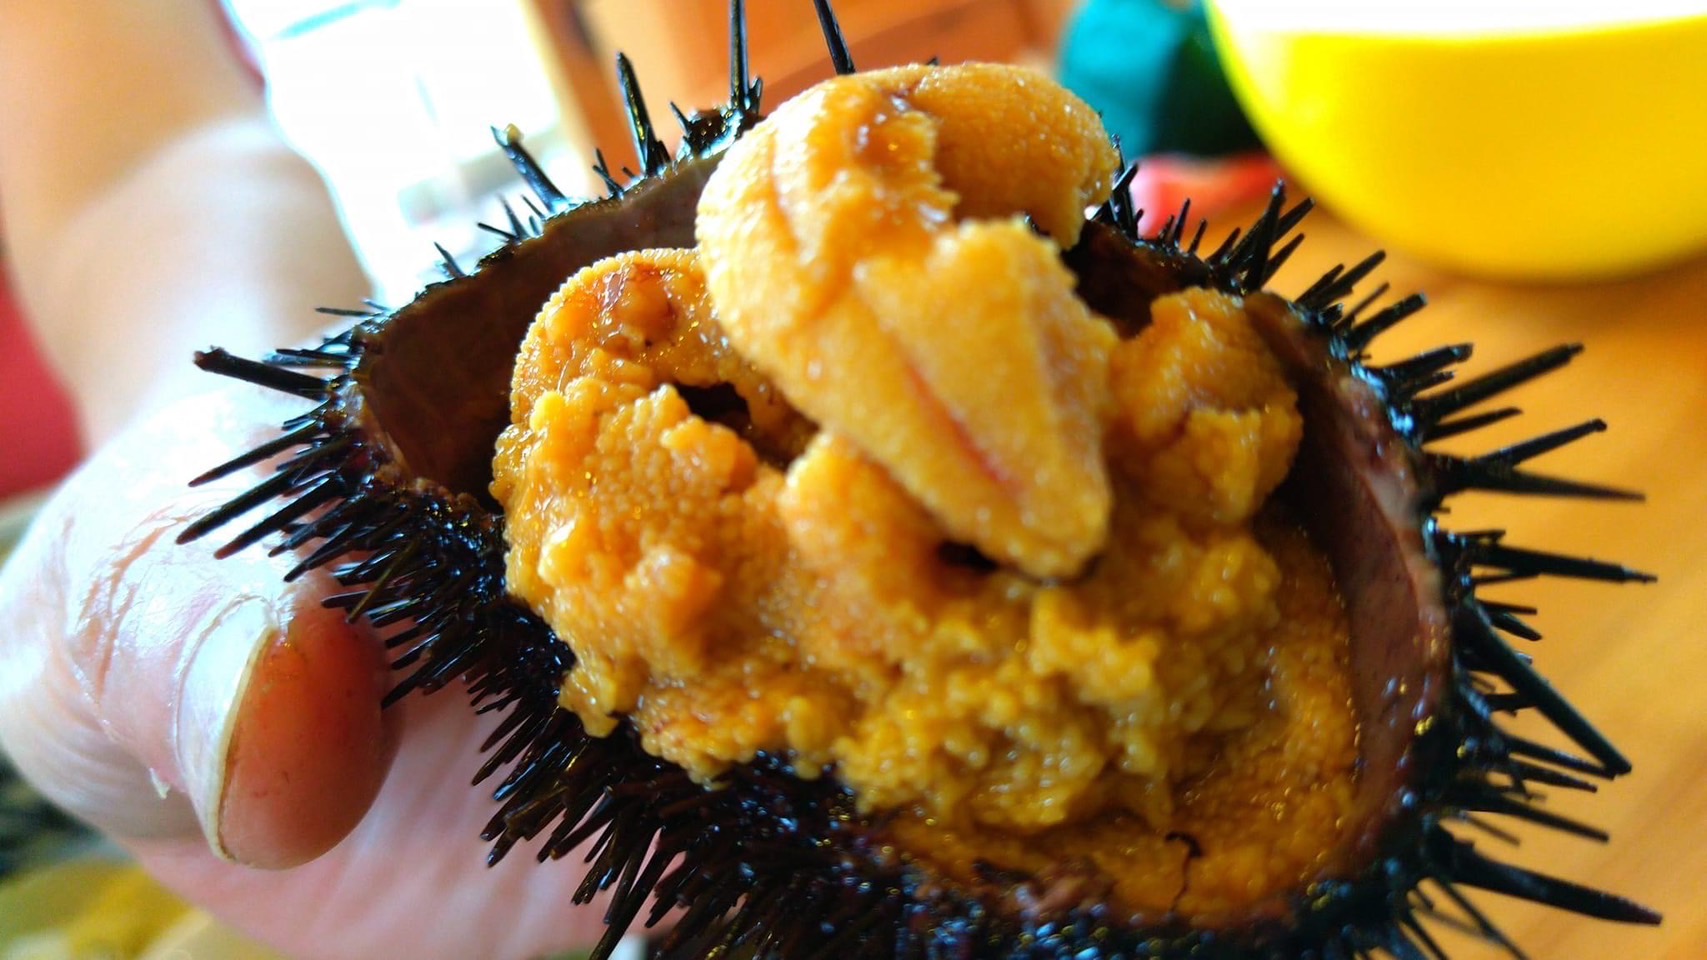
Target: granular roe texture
1167	722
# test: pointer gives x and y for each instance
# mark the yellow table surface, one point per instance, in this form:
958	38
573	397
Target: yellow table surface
1632	657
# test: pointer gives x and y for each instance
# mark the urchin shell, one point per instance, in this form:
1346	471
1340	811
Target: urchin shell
383	478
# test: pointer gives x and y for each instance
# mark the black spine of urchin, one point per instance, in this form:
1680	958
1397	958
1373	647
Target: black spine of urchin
748	865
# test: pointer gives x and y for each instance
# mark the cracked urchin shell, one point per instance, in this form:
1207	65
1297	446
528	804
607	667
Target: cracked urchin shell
383	479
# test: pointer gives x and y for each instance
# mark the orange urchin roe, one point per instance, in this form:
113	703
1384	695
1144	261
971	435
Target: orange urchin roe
1192	683
1254	812
890	257
1017	581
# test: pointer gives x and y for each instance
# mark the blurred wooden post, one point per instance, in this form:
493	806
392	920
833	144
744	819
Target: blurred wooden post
1047	21
582	79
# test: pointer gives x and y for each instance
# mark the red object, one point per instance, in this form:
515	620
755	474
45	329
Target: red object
1214	186
39	437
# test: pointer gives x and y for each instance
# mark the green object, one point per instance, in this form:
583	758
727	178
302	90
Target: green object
1150	68
32	830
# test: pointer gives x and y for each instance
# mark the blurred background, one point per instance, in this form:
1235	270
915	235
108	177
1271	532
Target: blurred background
395	99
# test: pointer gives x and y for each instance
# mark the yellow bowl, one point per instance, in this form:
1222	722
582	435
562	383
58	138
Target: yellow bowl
1498	138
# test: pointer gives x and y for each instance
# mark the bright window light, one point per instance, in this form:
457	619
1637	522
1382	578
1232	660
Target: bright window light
395	101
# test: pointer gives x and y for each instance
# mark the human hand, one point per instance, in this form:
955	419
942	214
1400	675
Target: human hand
226	728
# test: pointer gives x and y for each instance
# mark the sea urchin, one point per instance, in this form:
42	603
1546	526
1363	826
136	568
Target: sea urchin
387	480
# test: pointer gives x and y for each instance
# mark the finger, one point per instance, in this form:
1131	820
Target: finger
169	691
411	880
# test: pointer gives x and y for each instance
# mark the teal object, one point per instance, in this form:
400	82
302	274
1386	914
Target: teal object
1150	68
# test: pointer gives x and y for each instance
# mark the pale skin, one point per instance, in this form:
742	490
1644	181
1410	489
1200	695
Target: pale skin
221	725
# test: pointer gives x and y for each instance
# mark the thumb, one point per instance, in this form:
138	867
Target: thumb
157	691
